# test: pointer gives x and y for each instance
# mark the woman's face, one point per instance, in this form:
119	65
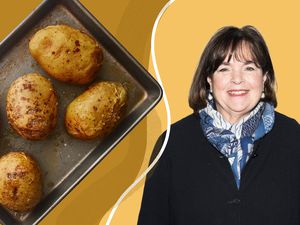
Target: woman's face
237	86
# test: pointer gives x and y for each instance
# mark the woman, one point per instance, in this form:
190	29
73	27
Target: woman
235	160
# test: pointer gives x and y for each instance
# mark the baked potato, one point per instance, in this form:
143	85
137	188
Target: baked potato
31	106
67	54
20	181
97	111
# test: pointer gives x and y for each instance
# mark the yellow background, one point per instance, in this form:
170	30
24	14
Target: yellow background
181	36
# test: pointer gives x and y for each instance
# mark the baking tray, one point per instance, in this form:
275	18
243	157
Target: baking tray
64	160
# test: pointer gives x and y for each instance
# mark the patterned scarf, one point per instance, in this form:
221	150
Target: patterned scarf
236	141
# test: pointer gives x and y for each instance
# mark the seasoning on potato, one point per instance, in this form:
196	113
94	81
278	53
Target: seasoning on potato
67	54
97	111
20	181
31	106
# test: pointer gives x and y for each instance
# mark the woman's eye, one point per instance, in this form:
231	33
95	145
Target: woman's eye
223	70
249	68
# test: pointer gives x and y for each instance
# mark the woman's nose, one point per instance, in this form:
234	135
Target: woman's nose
237	77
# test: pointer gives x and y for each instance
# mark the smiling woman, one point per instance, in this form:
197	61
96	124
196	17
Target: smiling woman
231	161
237	87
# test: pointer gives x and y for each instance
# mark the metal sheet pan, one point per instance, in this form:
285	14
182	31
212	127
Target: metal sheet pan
65	160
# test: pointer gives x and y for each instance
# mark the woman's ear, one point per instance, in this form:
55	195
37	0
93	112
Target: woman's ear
208	79
265	77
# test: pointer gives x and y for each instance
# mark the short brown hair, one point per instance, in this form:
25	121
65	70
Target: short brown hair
225	42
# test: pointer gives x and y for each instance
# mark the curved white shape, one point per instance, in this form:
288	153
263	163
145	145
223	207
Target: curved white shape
168	116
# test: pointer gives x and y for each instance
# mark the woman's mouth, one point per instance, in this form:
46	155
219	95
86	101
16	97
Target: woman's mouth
238	92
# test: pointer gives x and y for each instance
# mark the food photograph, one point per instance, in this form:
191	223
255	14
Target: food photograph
92	94
70	92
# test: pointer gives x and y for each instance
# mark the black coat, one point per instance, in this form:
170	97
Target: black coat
193	183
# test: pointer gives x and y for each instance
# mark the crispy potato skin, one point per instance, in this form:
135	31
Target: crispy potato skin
20	182
67	54
31	106
97	111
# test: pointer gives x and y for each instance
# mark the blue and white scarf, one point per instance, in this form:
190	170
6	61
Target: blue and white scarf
235	141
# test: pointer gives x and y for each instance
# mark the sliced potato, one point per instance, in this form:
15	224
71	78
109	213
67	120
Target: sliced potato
97	111
20	181
67	54
31	106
